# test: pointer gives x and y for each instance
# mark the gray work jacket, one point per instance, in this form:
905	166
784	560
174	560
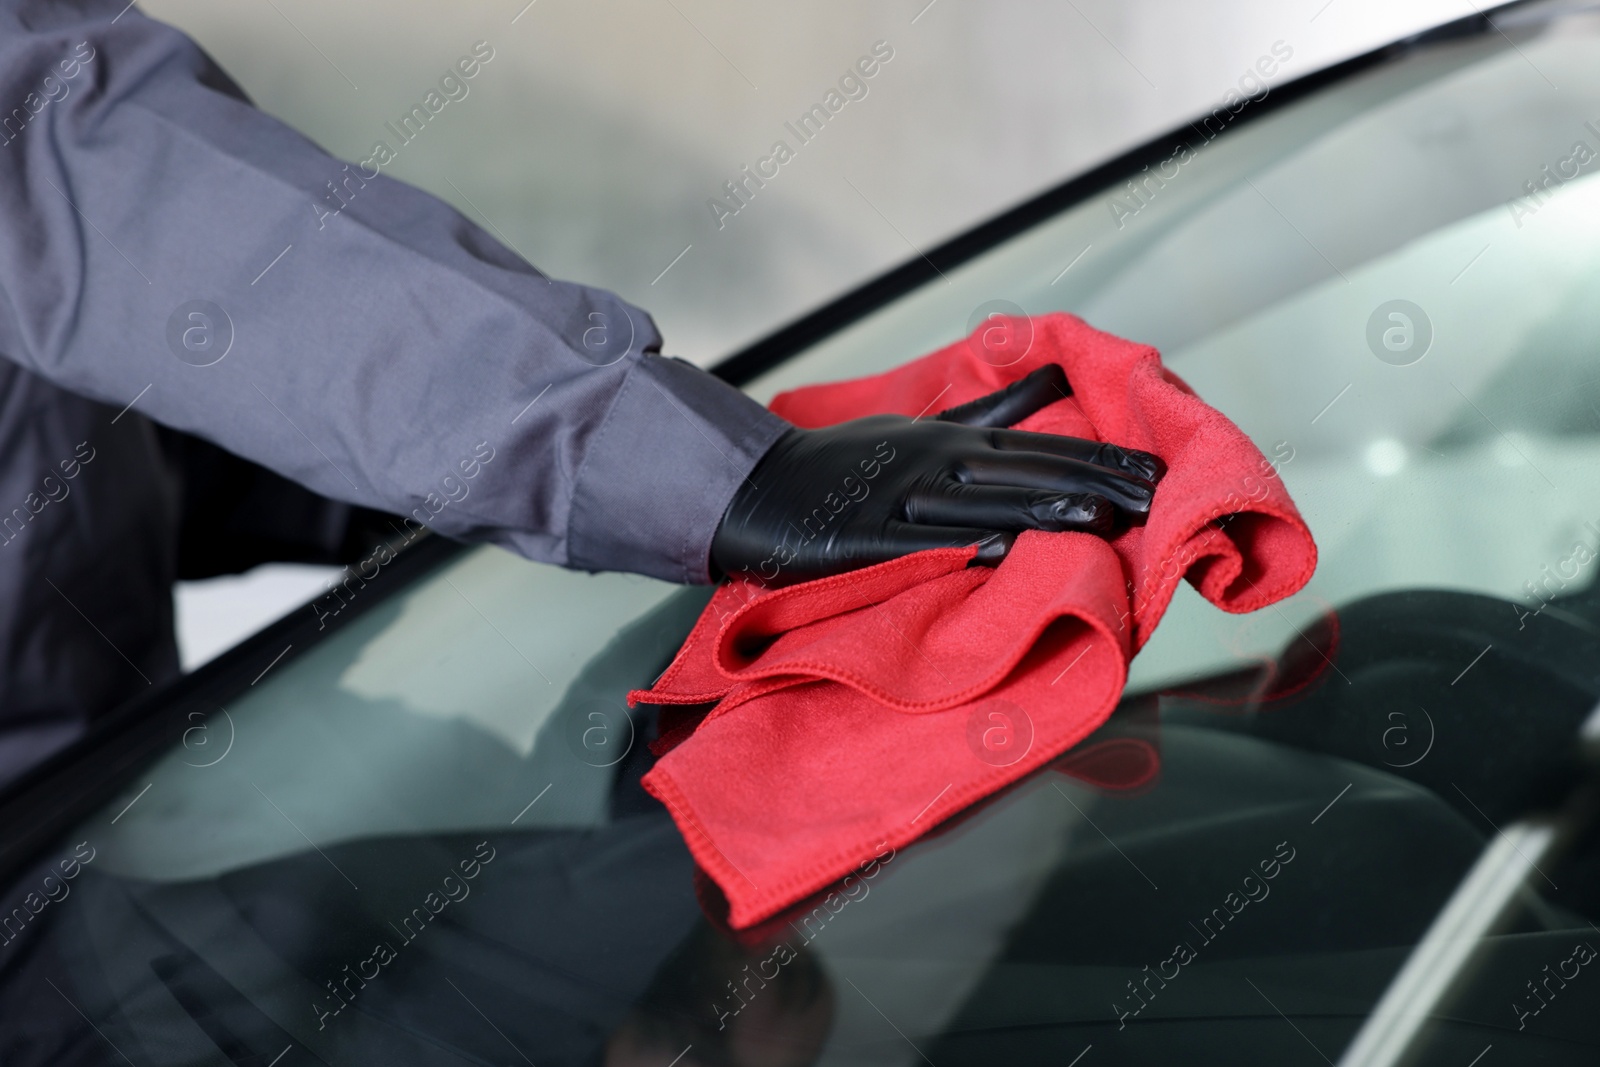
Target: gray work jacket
170	253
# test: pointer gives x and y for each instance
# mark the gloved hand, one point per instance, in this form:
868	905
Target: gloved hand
825	501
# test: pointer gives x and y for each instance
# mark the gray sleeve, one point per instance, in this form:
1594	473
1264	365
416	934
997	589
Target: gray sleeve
167	247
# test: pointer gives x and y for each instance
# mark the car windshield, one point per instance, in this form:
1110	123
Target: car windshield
1392	284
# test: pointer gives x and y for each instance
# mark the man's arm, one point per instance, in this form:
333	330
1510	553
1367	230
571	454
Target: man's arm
371	343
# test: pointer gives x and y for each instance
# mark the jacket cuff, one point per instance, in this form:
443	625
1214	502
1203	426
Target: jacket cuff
661	470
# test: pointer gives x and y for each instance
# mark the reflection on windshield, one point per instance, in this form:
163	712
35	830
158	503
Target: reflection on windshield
1287	851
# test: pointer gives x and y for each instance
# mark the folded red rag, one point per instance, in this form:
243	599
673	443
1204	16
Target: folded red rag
857	712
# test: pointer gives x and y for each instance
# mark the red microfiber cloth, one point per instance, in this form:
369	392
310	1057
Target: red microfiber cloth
856	712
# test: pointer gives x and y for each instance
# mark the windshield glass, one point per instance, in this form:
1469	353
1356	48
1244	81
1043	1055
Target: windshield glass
422	840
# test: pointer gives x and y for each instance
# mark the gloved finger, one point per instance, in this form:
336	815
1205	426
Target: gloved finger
1102	454
1058	474
903	538
1008	406
1003	507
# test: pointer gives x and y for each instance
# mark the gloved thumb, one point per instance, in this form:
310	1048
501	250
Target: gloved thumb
1009	406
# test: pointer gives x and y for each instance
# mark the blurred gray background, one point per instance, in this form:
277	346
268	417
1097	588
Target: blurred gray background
594	138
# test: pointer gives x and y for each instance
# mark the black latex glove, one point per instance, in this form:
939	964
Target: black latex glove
825	501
